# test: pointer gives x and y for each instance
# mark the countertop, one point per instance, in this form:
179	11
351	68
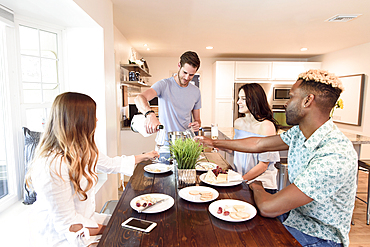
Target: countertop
229	132
354	138
357	139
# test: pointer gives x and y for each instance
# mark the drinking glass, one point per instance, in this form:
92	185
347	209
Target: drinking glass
214	134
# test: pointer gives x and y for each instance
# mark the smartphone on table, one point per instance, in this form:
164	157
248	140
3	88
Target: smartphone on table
139	224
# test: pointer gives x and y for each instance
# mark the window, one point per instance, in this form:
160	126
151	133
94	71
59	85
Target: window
8	163
3	164
29	84
39	69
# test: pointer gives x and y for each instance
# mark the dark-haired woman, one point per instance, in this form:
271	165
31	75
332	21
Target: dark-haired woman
257	121
64	175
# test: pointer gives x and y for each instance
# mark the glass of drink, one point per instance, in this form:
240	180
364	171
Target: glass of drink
214	134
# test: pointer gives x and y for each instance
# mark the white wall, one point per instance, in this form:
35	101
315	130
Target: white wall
353	60
130	143
105	91
84	66
122	51
101	11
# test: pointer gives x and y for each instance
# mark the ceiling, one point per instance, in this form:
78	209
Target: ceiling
235	28
241	28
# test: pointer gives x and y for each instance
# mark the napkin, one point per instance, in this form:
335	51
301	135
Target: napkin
233	176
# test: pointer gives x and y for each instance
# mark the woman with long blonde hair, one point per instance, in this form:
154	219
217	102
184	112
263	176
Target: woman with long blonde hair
64	174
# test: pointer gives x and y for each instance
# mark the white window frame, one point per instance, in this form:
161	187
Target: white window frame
49	28
16	109
12	119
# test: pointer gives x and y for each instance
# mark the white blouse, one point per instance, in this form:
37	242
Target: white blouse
58	207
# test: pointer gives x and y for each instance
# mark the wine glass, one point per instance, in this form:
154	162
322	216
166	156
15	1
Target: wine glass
160	141
214	134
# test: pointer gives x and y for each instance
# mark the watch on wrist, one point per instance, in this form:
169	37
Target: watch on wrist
148	112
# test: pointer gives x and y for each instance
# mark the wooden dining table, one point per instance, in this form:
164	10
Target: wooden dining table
187	223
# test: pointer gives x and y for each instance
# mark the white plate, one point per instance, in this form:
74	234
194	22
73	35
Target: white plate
202	176
162	168
184	193
201	157
202	165
213	208
160	207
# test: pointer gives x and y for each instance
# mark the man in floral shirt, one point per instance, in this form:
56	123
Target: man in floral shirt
322	165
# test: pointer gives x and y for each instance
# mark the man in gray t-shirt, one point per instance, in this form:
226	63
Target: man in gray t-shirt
179	100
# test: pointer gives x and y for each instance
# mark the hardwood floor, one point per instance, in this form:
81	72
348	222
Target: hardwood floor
359	235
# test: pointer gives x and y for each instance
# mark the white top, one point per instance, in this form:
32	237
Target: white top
57	206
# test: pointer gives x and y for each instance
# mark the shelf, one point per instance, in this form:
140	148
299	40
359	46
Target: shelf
134	83
136	68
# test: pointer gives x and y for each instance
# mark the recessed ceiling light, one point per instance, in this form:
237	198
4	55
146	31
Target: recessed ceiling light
343	18
209	47
304	49
145	45
148	49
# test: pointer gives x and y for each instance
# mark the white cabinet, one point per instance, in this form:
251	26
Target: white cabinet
223	75
226	73
291	70
253	70
224	113
223	78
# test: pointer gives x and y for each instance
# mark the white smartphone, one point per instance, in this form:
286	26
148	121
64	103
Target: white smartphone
138	224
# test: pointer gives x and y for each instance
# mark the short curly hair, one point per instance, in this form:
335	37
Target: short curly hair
324	85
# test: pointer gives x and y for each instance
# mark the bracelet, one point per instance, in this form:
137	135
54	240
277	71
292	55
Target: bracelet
148	112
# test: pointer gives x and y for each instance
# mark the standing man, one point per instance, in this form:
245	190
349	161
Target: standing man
322	165
179	100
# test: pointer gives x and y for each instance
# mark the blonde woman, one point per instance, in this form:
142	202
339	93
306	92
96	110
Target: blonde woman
64	174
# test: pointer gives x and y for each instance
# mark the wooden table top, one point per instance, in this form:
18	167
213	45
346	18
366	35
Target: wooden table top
187	223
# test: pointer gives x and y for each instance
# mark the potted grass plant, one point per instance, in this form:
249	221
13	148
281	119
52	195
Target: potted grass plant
186	152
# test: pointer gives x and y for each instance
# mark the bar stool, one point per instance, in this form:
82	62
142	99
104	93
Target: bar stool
282	178
109	207
365	165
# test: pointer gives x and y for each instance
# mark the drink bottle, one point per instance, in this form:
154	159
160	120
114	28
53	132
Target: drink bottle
138	125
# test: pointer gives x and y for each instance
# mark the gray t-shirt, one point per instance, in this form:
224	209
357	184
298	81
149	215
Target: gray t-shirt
176	104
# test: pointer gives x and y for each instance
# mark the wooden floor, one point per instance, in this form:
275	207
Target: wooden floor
359	235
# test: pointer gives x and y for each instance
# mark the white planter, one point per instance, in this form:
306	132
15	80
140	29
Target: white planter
186	177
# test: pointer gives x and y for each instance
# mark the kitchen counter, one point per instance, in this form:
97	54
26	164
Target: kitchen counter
227	131
357	141
356	138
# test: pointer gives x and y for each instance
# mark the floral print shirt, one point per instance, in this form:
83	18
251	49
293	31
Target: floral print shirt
324	167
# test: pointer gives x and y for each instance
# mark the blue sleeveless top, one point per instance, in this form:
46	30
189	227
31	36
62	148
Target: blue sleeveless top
244	162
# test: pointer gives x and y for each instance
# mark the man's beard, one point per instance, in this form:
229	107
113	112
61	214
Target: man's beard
292	116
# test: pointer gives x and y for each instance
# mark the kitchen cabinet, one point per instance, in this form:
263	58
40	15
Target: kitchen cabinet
226	73
223	76
135	68
224	112
252	70
291	70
